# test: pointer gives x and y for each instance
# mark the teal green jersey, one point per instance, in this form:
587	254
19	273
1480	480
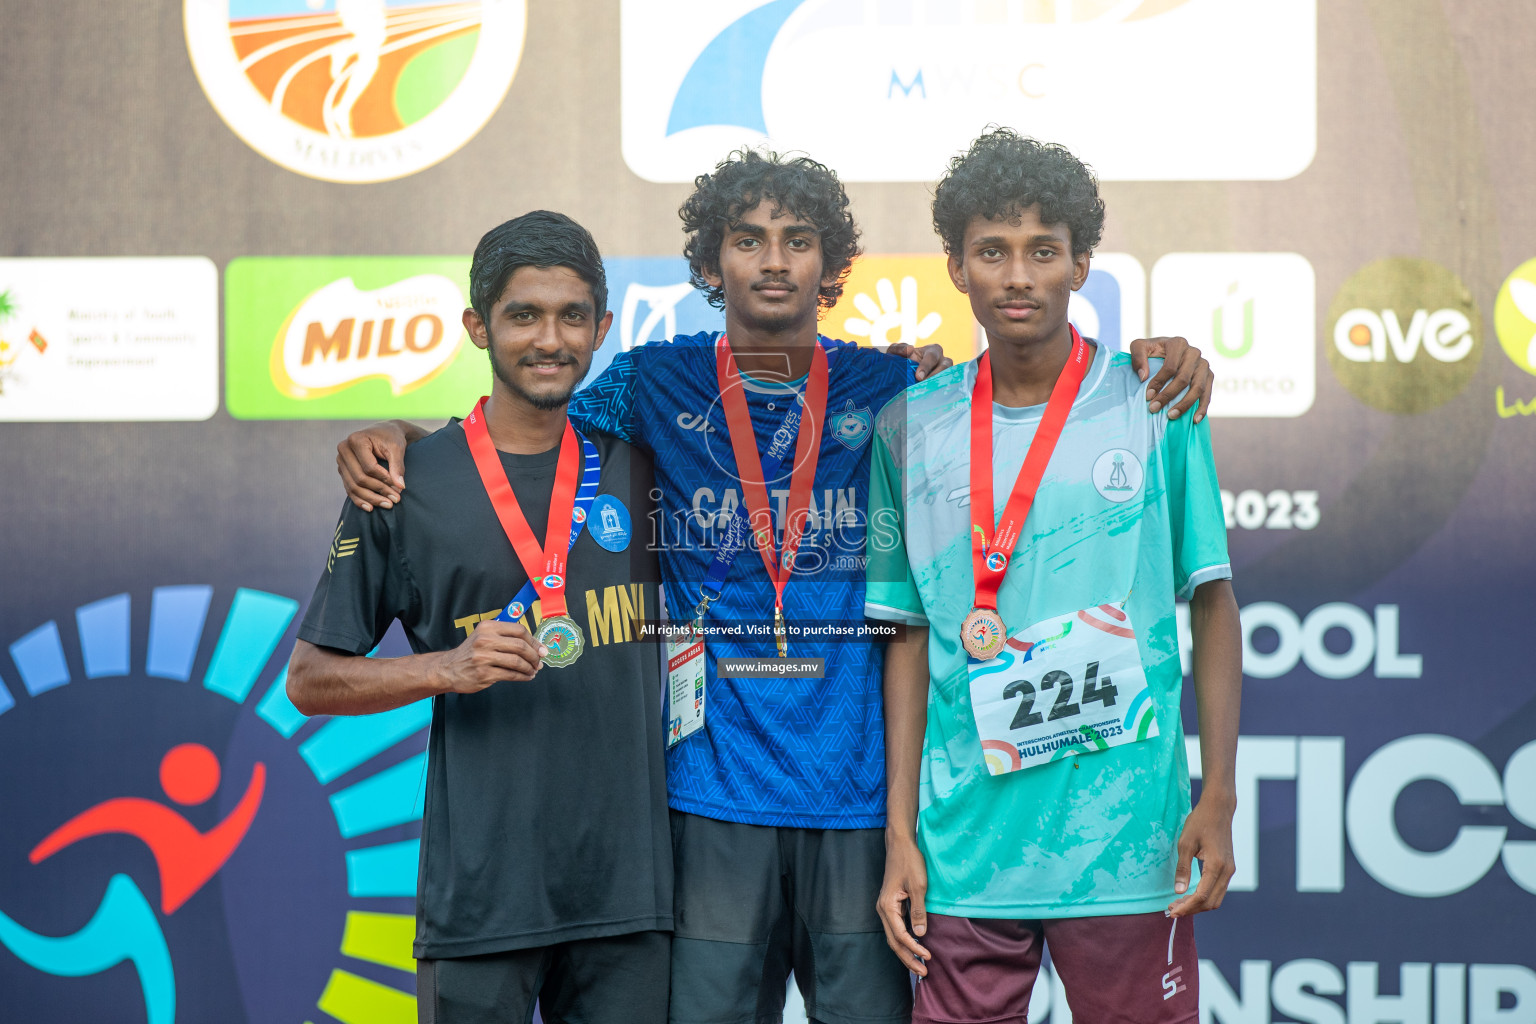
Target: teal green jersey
1128	519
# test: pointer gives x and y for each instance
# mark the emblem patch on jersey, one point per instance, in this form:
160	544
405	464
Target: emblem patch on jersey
341	547
853	425
609	523
1117	475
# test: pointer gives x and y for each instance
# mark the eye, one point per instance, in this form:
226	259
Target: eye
799	243
747	242
1045	253
991	253
523	316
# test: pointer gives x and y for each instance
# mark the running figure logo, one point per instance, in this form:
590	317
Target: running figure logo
124	926
354	62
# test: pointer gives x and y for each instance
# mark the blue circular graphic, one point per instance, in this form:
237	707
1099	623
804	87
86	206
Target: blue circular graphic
609	523
273	880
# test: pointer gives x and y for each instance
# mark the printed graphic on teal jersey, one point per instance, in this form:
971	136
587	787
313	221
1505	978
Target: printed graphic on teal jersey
1128	514
798	752
296	839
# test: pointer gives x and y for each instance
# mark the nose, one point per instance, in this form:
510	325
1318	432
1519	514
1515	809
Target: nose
1018	274
775	256
547	340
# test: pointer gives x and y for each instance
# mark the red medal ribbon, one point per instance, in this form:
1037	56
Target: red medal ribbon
986	545
749	462
545	568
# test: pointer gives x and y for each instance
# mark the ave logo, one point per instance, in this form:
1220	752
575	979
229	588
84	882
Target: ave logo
1405	335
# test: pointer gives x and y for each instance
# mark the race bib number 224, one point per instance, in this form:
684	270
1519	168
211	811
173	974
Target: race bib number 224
1071	684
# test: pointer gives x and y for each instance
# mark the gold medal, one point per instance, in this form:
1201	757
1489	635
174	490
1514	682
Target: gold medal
562	636
983	634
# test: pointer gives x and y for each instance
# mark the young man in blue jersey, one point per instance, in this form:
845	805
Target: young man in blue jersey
1039	795
778	796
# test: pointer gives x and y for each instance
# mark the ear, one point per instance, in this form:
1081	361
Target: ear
828	276
602	330
957	273
477	330
1080	263
712	275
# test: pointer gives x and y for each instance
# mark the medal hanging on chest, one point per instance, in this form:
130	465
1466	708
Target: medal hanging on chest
545	566
983	633
749	466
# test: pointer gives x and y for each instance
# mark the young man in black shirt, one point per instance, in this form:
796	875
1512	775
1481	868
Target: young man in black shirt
546	865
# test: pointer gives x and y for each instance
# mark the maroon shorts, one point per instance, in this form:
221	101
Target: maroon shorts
1131	969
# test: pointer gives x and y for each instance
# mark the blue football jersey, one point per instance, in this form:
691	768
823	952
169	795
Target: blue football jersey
808	753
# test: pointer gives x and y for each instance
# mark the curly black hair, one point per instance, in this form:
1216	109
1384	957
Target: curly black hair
1005	173
797	185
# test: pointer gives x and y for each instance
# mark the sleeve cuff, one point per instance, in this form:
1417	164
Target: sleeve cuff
337	641
1221	571
886	613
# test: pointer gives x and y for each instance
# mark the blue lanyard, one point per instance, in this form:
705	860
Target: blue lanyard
586	491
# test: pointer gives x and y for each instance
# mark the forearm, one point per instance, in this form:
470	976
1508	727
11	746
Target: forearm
906	718
323	681
1218	671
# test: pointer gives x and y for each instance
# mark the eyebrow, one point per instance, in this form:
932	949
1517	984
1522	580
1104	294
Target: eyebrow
1033	240
513	308
759	231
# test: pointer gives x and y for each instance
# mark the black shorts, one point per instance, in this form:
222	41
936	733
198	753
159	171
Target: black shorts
616	980
753	903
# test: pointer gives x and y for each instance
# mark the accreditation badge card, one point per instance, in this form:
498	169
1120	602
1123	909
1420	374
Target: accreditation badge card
1067	685
685	686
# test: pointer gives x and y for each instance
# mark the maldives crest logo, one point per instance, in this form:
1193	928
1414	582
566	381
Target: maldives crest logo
355	90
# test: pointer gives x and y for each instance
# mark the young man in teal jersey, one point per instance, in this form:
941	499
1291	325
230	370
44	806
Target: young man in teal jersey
779	800
1038	790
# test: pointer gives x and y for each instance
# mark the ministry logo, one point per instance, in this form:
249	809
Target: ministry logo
355	90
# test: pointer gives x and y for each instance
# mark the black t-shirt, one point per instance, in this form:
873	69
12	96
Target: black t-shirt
546	805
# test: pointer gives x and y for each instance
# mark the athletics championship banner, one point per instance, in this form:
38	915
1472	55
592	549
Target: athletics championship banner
232	231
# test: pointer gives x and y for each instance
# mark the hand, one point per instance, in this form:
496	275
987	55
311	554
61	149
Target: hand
906	880
1182	368
360	460
495	652
930	359
1207	835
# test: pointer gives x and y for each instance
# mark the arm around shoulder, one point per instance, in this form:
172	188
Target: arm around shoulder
371	462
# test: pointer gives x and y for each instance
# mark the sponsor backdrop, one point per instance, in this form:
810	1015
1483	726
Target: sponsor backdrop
230	230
